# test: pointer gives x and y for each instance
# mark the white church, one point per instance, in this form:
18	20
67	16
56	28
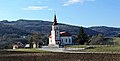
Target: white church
57	38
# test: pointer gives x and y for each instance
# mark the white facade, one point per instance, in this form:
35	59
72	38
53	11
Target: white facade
55	34
56	37
66	40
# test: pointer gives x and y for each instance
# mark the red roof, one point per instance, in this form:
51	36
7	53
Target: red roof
62	34
65	34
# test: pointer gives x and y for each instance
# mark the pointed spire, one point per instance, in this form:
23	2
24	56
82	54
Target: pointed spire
55	20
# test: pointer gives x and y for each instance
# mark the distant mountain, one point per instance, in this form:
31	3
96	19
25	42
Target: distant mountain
107	31
23	27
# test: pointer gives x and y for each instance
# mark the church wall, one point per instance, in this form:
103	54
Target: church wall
53	37
50	40
66	40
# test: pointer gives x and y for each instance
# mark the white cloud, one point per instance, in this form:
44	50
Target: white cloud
49	9
37	8
70	2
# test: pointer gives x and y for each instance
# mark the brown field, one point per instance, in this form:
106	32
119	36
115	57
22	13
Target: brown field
49	56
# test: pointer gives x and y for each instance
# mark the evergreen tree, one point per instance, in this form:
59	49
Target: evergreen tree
82	37
31	42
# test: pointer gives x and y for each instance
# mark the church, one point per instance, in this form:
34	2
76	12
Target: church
57	38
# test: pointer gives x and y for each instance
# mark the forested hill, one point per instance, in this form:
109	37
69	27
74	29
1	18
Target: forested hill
107	31
25	27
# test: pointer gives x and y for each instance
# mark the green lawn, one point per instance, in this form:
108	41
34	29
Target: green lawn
104	49
26	50
114	47
97	48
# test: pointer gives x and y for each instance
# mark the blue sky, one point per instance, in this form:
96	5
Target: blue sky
75	12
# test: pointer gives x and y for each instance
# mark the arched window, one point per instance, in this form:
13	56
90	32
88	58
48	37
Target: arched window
56	32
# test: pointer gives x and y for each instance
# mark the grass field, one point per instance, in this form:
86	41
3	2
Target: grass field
115	47
26	50
97	48
40	55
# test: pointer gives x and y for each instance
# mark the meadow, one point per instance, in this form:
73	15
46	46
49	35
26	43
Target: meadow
97	48
111	53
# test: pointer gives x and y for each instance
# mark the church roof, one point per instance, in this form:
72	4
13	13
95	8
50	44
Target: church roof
62	34
65	34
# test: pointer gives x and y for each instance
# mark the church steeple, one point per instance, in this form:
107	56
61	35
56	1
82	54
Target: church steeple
55	20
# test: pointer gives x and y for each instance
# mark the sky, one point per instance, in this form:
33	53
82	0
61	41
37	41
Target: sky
85	13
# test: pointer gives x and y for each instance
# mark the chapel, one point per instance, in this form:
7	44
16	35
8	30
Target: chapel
57	37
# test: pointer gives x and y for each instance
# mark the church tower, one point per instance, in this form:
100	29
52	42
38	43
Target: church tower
55	33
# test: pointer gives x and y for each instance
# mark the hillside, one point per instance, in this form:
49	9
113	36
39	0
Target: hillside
12	31
25	27
43	27
107	31
7	29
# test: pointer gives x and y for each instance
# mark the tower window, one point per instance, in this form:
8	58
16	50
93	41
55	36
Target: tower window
56	27
57	32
